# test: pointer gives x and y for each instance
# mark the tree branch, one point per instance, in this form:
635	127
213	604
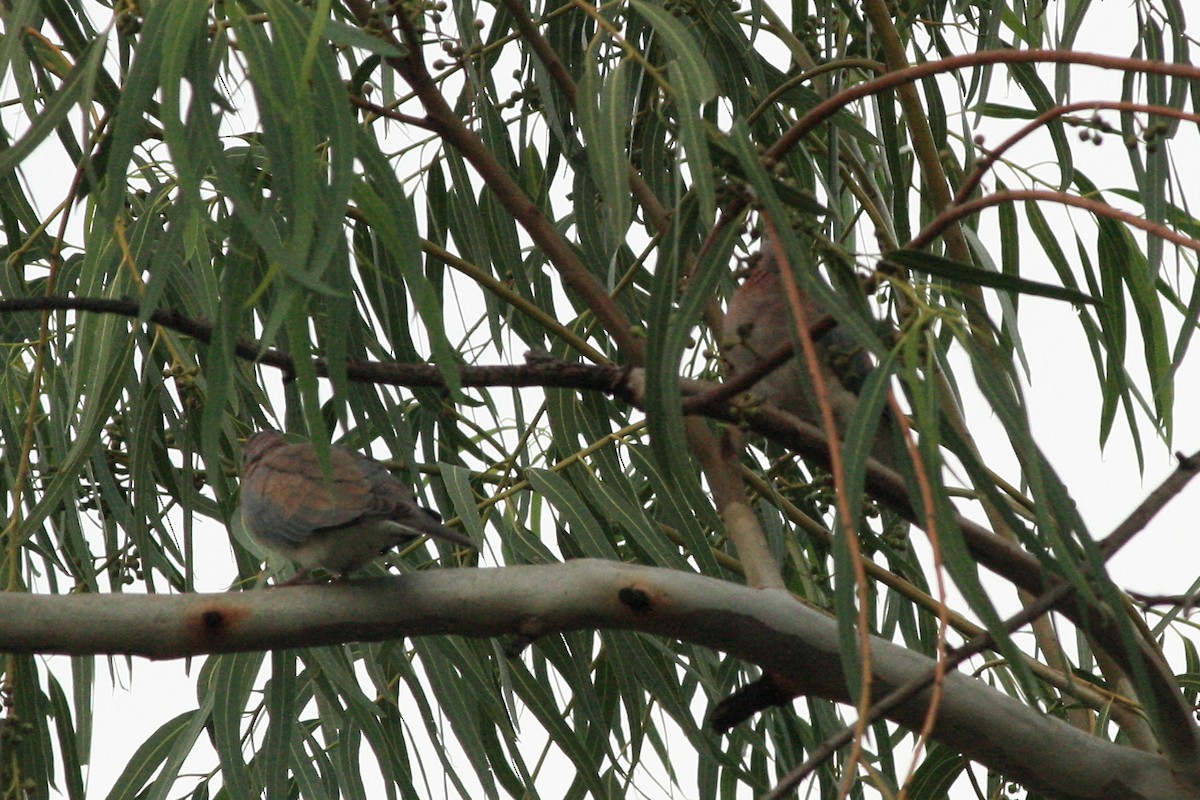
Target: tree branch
1100	209
827	108
765	627
538	372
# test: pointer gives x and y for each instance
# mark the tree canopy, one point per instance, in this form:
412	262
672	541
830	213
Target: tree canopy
493	244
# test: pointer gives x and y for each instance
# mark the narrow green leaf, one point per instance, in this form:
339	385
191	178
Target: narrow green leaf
685	48
305	773
105	353
280	700
936	774
582	528
598	100
393	220
83	680
336	685
77	88
165	783
1027	77
146	760
225	686
965	273
457	703
670	327
693	85
69	756
636	526
546	708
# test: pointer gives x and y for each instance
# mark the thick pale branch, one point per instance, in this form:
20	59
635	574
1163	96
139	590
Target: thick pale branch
768	628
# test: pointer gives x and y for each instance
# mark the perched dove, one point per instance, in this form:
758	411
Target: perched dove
759	321
340	521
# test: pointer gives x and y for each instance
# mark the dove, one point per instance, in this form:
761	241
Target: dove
759	320
338	521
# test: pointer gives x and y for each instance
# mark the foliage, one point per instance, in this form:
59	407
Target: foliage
350	183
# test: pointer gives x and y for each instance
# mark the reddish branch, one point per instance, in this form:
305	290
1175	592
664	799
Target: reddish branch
957	212
995	154
826	109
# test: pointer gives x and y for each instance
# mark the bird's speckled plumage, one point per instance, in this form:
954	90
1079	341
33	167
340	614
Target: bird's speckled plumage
338	521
